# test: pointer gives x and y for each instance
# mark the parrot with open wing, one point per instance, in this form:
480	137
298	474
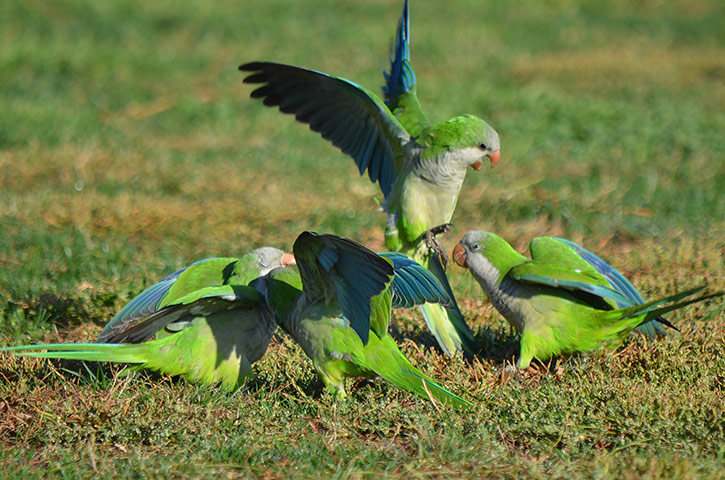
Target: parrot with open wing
419	166
338	308
209	325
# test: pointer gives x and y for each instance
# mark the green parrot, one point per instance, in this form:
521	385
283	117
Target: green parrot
558	302
419	166
210	326
338	308
562	251
215	318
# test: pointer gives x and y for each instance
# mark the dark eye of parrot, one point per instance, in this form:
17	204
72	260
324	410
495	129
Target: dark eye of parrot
476	247
482	146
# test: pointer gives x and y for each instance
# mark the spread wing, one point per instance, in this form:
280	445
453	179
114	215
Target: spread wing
352	118
337	269
414	285
142	314
197	275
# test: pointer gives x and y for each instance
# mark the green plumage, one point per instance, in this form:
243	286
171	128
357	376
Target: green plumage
561	251
558	304
310	310
210	326
419	166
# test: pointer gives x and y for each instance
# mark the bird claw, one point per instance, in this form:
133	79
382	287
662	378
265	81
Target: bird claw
432	242
444	228
509	371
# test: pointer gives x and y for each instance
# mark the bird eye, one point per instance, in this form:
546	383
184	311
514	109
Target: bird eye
476	247
482	146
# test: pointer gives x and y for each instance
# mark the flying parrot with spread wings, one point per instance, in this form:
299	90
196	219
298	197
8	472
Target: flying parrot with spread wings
419	166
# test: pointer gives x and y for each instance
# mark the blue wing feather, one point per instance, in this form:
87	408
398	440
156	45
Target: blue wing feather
616	279
349	273
401	77
145	304
414	285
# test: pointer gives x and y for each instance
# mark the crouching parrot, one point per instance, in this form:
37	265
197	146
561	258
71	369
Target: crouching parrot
203	322
558	302
215	318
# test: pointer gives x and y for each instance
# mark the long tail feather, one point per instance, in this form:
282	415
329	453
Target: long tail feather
447	324
93	352
653	309
392	365
401	77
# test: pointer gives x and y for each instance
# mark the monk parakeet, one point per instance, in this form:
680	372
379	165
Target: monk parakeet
562	251
559	303
215	318
419	166
210	326
338	308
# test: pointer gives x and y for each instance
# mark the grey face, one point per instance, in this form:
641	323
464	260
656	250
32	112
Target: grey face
268	258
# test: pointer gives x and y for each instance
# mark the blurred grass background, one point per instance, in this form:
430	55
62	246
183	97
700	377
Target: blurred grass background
129	148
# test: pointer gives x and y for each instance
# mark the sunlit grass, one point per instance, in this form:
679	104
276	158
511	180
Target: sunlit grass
129	148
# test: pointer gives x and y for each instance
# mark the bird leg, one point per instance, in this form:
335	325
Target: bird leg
432	242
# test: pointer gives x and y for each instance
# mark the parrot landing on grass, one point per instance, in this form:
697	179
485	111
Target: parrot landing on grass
208	324
419	166
338	308
558	303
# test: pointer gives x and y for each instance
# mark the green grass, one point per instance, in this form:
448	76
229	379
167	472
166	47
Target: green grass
129	148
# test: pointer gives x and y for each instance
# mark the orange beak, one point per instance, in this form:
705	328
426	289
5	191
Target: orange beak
494	157
477	166
459	255
288	259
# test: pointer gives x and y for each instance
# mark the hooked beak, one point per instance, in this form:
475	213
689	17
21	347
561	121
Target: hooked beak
288	259
459	256
477	166
494	157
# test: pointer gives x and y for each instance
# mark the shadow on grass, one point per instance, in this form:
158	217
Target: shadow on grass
62	311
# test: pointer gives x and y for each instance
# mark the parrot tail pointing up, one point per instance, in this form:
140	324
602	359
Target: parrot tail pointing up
401	77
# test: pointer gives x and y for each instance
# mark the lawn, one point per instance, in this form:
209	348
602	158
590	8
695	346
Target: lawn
129	148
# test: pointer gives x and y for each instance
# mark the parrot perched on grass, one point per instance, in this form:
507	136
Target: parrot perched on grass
419	166
215	318
210	326
559	303
338	308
